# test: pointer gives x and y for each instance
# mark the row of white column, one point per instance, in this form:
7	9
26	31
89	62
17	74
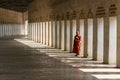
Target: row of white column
98	36
8	30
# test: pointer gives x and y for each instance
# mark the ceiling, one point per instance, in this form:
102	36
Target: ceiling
17	5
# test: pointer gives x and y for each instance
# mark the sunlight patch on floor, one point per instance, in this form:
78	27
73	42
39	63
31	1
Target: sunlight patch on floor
99	70
107	76
87	65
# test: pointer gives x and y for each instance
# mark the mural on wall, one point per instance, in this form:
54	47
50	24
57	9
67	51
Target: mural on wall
112	10
74	14
53	17
100	12
58	17
62	16
68	15
82	16
90	14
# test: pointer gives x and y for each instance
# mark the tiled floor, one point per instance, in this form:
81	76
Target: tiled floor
23	59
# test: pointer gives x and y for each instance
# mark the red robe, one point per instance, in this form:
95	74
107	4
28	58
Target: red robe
77	44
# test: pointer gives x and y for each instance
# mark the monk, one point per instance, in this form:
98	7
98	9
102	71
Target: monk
77	44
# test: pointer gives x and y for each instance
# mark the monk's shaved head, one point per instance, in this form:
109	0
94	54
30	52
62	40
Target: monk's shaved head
77	32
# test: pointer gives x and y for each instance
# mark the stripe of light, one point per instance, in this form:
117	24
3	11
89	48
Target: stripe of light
99	70
107	76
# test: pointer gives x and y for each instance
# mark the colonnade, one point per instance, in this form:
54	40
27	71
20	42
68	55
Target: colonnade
10	30
99	36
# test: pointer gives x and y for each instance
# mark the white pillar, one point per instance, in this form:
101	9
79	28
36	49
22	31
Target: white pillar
95	33
28	31
112	40
85	38
67	35
38	32
41	34
10	30
50	33
13	29
34	28
32	31
118	41
54	34
82	36
90	38
73	33
106	40
18	31
36	36
62	34
46	32
100	39
58	34
3	30
7	30
0	30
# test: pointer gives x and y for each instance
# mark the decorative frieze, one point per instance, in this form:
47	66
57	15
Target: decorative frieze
58	17
68	15
74	14
62	16
81	15
112	10
100	12
90	14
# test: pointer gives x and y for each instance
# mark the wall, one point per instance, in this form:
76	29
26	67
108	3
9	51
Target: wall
11	23
54	11
43	9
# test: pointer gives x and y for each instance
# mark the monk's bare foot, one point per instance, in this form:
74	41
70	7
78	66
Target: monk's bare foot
76	55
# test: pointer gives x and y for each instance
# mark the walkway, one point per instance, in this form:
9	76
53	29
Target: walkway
22	59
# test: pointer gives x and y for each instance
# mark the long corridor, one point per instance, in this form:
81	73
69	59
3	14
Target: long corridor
22	59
